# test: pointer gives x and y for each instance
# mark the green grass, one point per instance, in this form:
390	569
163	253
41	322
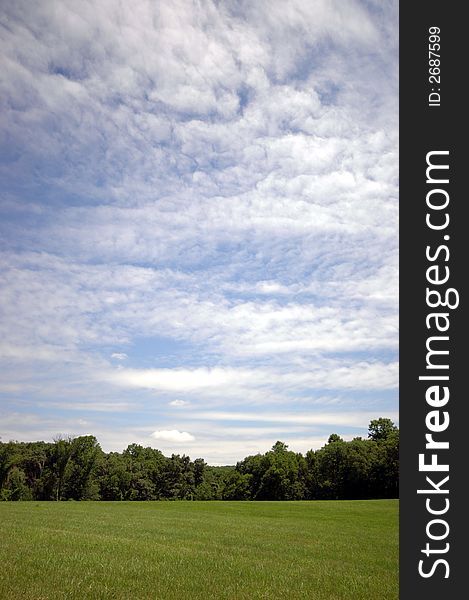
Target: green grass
345	550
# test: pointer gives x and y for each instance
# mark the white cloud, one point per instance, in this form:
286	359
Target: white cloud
58	306
175	379
179	403
228	381
336	419
173	435
95	406
211	185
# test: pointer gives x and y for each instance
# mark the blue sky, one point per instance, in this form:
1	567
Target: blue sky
199	210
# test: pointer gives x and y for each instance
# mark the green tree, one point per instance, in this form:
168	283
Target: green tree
78	482
113	477
311	476
381	429
331	469
236	486
385	470
16	487
199	469
359	459
9	457
147	473
275	475
60	456
78	469
279	448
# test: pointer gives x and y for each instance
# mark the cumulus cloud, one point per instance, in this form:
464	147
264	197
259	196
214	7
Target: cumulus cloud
179	403
173	435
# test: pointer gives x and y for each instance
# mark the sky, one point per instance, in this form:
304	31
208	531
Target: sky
199	222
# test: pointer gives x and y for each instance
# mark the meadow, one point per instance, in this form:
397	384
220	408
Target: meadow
318	550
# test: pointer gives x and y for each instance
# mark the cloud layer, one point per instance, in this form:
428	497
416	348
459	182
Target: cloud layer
199	211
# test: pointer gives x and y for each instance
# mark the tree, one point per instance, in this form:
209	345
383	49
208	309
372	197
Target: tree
385	471
236	486
60	457
275	475
381	429
16	488
146	468
9	457
279	448
359	459
311	475
113	477
78	469
84	452
331	466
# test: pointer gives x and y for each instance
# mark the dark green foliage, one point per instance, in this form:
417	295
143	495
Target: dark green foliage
78	481
275	475
77	469
61	453
381	429
236	486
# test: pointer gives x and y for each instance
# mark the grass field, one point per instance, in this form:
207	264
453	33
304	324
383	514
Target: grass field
344	550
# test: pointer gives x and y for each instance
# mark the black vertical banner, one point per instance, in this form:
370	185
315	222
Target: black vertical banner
434	239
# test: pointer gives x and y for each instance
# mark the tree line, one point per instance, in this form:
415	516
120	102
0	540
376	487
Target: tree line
78	469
